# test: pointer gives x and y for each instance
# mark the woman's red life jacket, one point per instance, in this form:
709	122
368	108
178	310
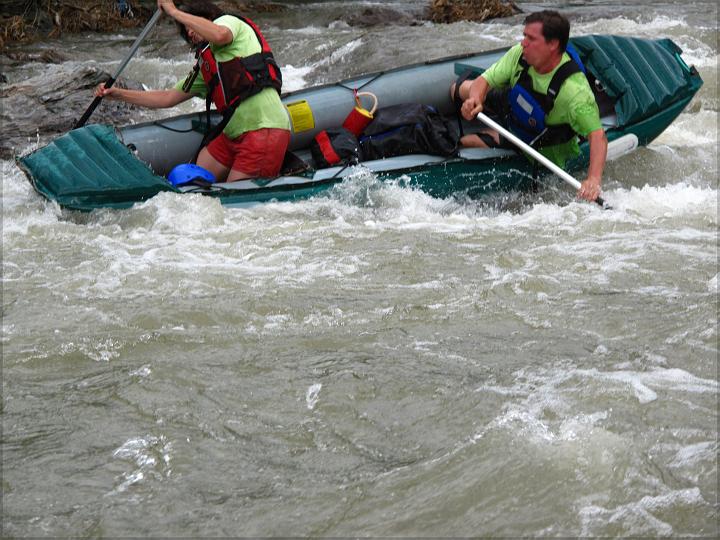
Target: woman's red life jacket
233	81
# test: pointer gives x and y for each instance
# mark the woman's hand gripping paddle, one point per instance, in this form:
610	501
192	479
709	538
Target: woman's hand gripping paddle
84	118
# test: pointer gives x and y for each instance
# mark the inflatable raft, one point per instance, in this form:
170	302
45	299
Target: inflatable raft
641	86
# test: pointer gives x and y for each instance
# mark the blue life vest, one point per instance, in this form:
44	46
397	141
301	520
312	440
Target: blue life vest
528	108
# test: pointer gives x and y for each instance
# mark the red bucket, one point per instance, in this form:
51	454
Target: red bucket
359	117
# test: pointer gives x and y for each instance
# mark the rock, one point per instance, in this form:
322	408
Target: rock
46	57
50	106
447	11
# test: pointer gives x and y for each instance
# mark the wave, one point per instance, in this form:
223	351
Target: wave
366	198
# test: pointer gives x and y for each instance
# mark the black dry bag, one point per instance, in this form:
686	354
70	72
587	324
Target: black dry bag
408	128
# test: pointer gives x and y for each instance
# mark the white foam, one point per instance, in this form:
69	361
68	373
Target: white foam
157	73
580	426
692	455
671	201
362	205
344	51
537	394
632	27
690	131
311	30
641	382
142	372
224	240
150	454
334	317
294	78
541	408
339	25
154	249
637	518
313	395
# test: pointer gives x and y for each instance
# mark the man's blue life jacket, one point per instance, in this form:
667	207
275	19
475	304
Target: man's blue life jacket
528	108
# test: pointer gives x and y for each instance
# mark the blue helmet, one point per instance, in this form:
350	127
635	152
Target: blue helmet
187	172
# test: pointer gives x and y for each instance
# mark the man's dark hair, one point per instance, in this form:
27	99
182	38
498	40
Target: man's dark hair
554	26
200	8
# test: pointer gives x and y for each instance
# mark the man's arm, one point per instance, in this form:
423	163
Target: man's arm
590	188
476	98
498	75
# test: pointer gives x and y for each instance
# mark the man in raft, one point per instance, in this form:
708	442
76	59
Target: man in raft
239	75
539	85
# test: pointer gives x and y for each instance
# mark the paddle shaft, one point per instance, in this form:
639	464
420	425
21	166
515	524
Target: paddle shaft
533	153
84	118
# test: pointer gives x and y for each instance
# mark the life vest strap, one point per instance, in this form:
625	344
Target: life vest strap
561	75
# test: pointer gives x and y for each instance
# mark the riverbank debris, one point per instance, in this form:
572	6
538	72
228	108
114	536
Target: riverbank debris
28	20
448	11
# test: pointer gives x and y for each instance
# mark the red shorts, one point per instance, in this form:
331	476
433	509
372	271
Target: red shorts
259	153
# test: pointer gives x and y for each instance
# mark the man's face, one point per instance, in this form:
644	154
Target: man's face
536	50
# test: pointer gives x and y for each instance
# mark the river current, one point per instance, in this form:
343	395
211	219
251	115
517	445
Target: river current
375	362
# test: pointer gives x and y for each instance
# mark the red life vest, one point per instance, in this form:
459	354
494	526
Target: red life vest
233	81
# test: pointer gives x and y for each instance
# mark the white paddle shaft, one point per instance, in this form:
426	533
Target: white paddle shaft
528	149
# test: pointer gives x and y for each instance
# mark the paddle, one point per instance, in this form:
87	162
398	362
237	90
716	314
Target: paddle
534	153
84	118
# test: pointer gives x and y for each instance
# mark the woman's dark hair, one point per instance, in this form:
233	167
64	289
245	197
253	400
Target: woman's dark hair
200	8
554	26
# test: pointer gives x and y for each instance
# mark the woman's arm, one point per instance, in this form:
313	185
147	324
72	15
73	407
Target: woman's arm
154	99
208	30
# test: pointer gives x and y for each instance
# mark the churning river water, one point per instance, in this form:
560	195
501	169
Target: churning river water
375	362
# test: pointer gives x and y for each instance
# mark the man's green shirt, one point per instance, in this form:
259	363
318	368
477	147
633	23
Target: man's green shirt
574	105
264	109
